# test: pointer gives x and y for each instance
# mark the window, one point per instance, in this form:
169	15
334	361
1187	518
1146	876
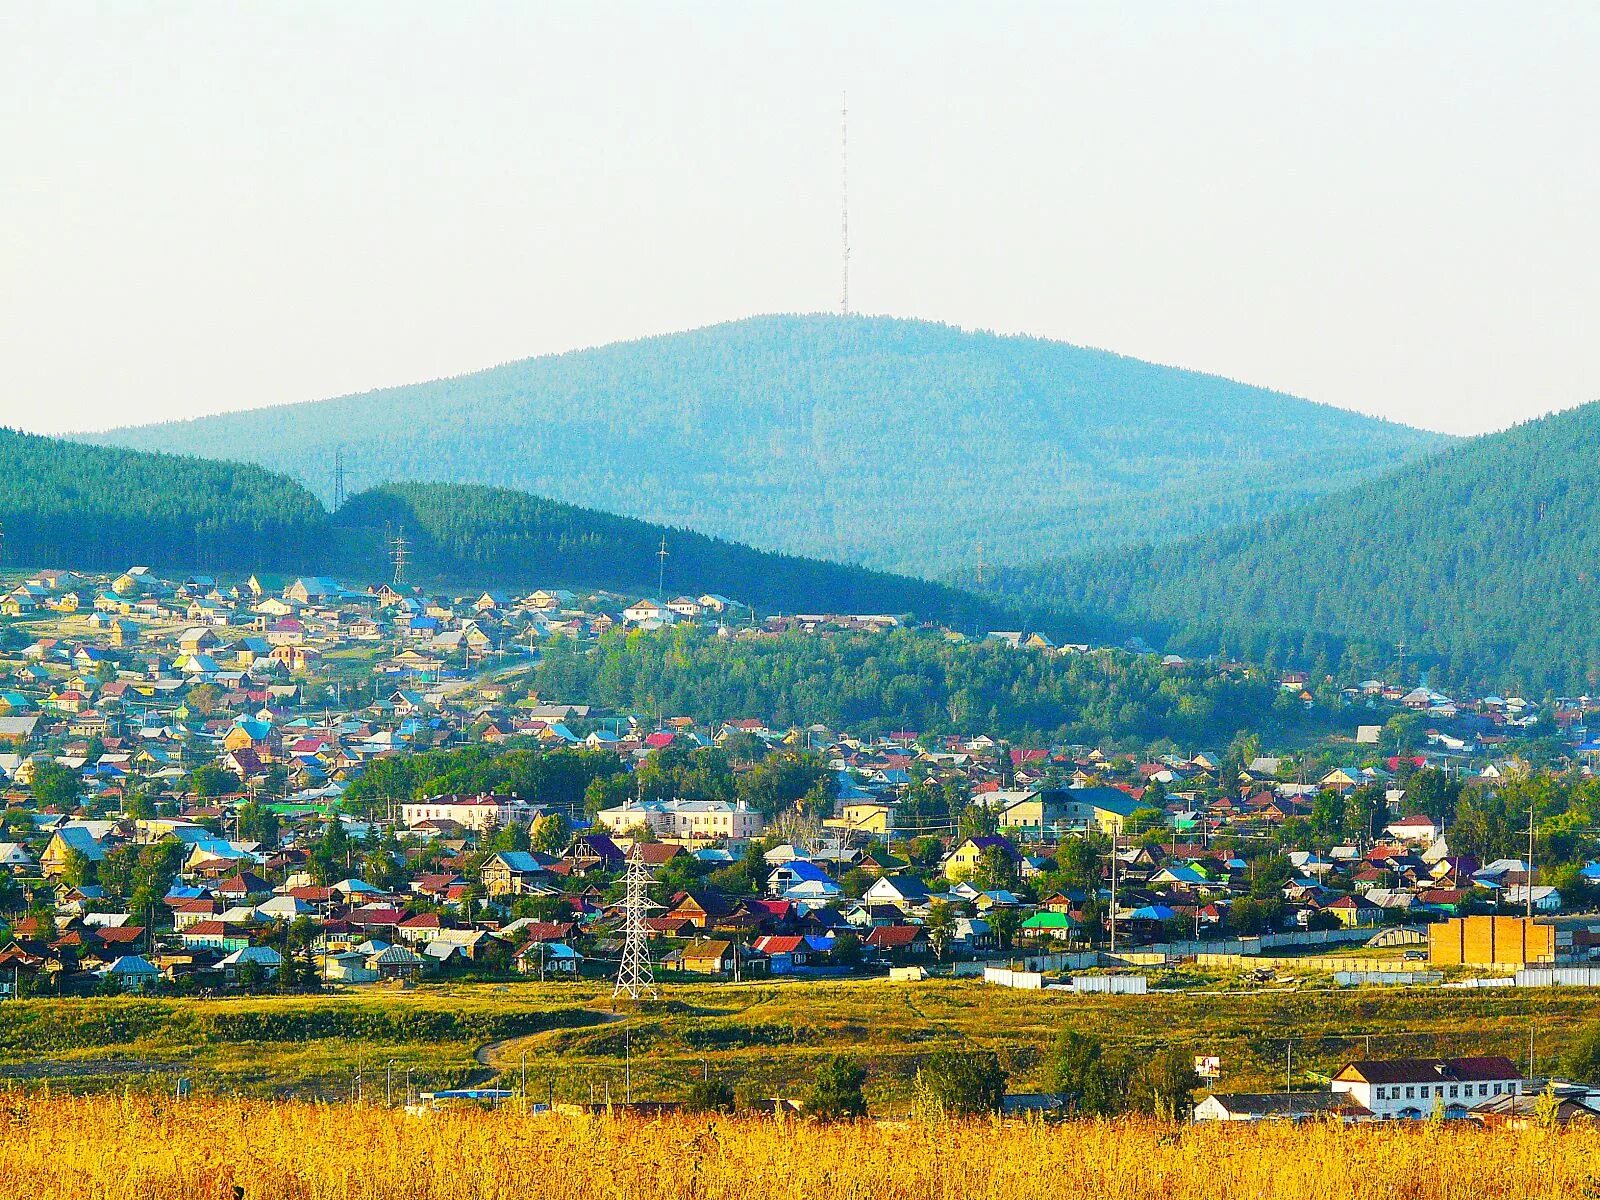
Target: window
1497	1089
1483	1089
1411	1093
1453	1091
1379	1093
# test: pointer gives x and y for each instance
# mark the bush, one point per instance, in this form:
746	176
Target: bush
835	1093
709	1095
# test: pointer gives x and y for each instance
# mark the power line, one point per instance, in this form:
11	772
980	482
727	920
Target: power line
400	555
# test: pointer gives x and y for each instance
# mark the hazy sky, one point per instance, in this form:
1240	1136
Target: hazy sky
1386	207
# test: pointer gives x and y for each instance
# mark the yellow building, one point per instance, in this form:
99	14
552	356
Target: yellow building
873	817
1490	941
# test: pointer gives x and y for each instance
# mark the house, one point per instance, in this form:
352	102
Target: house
1410	1088
904	891
964	860
897	943
64	842
133	973
790	875
511	873
717	957
1280	1106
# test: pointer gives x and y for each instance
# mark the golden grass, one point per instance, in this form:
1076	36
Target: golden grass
121	1148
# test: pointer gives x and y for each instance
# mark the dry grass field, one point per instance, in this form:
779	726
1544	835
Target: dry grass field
762	1038
137	1147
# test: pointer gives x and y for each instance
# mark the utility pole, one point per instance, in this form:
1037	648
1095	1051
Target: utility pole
661	580
1114	887
1527	886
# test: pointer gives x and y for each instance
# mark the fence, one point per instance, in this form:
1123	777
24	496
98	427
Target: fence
1111	985
1387	978
1030	981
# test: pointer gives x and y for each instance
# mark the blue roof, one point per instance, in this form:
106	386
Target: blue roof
806	872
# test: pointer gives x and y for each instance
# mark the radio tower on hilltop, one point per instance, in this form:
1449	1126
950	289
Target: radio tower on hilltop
844	202
338	478
634	977
661	579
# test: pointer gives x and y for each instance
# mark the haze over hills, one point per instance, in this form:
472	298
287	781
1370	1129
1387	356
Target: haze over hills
65	504
902	444
1484	559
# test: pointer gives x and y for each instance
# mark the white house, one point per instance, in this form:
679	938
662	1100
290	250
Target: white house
1409	1088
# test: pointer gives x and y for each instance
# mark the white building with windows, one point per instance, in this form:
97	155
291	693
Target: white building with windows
478	813
1412	1088
707	820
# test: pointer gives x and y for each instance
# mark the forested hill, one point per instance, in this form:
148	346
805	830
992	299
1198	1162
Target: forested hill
498	536
1484	559
901	444
64	504
67	505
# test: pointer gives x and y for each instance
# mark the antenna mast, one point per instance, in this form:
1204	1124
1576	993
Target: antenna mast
634	977
338	478
844	202
661	581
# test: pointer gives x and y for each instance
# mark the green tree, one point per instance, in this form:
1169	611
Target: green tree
550	834
1163	1085
959	1083
55	786
835	1092
209	780
941	927
77	868
709	1095
1077	1070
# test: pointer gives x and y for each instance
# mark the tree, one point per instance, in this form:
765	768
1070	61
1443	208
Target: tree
941	927
1582	1060
1077	1070
258	823
55	786
959	1083
997	870
709	1095
549	834
77	868
1268	876
1004	922
204	699
1163	1085
835	1093
209	779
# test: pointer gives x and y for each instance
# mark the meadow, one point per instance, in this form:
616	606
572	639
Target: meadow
761	1038
122	1147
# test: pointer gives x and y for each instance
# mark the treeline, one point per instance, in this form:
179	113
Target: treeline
1482	560
494	535
70	505
909	680
65	504
901	444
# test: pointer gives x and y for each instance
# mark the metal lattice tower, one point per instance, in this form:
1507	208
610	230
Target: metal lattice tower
661	557
634	977
338	478
400	555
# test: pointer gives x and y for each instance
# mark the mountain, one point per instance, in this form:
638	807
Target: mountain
902	444
1484	560
91	507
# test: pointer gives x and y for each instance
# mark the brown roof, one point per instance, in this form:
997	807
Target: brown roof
1431	1070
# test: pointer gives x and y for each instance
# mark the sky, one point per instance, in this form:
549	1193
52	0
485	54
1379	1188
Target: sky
209	206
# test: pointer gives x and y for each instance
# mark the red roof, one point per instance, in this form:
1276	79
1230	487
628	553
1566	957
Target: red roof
893	937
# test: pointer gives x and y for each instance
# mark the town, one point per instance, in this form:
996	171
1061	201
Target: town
228	789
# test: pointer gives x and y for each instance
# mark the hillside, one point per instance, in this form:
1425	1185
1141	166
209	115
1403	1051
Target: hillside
1483	559
70	505
901	444
498	536
73	505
